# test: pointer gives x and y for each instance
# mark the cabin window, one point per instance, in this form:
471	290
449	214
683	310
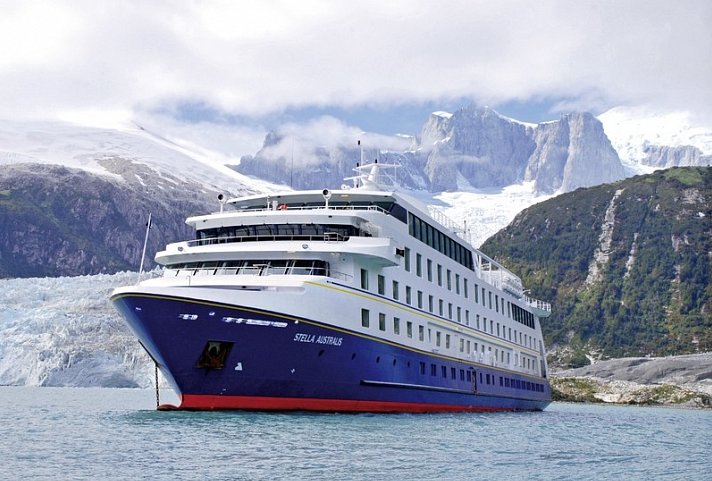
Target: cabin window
365	321
430	270
409	329
430	303
381	285
418	265
421	333
406	259
420	299
449	280
440	275
381	321
364	279
408	295
396	326
395	290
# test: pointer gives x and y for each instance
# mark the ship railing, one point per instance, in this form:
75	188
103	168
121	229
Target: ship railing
285	207
325	237
257	270
457	229
537	304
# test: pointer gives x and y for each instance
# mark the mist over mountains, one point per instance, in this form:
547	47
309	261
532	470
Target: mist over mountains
477	148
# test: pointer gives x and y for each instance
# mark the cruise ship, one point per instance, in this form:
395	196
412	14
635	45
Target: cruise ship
351	300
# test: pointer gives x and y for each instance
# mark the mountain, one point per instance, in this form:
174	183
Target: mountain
648	139
75	200
626	265
472	148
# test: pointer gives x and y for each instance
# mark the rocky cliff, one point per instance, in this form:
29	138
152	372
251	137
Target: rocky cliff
472	147
58	221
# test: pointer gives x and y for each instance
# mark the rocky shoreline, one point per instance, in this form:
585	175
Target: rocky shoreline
684	381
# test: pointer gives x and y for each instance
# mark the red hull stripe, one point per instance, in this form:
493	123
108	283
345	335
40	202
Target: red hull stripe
205	402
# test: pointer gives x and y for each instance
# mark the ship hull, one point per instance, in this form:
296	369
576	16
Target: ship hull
222	356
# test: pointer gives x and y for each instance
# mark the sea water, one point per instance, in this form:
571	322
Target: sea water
67	433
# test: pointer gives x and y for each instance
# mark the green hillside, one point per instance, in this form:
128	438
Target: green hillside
640	285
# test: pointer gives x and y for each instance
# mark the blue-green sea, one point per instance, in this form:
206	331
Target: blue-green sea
68	433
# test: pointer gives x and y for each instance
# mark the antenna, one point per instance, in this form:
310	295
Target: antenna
145	243
291	173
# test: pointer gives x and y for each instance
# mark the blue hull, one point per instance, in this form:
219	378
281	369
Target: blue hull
218	356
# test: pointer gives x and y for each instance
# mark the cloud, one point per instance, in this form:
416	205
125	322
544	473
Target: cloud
303	141
252	58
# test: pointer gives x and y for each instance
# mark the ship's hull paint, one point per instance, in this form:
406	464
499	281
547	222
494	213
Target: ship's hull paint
280	362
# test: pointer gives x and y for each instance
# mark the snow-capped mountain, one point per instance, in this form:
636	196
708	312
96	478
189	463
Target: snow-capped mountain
111	152
472	148
646	139
75	199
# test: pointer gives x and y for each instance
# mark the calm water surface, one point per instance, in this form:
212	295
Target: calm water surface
65	433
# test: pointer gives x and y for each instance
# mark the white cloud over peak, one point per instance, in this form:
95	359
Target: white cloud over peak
252	58
301	141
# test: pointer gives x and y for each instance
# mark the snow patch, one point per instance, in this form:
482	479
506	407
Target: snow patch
601	255
631	129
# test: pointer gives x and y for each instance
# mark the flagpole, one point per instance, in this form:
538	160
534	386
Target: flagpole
145	243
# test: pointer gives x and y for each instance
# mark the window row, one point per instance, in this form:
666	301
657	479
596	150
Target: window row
439	241
447	310
254	267
453	281
242	233
476	350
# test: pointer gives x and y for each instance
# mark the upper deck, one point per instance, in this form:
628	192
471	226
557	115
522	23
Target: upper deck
365	213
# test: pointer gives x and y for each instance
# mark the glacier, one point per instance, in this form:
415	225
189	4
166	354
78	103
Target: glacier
64	331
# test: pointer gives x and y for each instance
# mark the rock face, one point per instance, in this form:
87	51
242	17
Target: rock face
479	146
675	380
473	147
680	156
58	221
571	153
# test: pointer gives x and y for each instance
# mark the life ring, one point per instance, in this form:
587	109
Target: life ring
282	207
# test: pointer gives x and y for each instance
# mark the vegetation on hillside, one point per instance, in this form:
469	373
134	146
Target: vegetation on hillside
652	294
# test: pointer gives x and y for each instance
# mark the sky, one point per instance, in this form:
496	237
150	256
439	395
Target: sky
223	73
